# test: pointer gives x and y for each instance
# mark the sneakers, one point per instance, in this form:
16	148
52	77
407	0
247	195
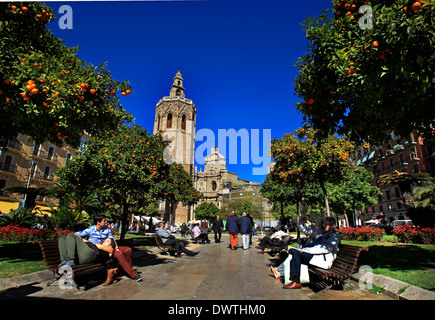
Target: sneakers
138	278
275	272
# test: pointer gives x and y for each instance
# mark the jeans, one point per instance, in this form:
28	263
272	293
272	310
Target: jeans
295	264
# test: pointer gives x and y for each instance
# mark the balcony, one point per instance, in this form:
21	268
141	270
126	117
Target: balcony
397	164
43	177
5	167
46	156
14	145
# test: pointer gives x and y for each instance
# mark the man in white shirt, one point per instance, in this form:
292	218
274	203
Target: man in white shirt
274	240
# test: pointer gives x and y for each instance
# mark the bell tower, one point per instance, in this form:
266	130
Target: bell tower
175	120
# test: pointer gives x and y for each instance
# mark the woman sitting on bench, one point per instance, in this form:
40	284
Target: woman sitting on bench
322	253
197	234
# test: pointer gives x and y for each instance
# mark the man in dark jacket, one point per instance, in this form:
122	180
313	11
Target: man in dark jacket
245	230
217	226
233	229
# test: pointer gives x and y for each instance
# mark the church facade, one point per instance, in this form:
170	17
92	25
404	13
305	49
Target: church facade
175	120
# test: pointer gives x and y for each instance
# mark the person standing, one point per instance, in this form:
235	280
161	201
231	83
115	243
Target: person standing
233	229
217	226
183	229
100	232
245	230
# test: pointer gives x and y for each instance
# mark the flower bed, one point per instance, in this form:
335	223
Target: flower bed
409	234
20	234
361	234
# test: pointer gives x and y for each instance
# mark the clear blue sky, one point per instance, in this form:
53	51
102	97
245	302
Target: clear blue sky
237	58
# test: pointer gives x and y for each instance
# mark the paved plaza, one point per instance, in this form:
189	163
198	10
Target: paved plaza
216	273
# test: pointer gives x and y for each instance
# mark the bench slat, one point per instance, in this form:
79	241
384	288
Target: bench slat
344	264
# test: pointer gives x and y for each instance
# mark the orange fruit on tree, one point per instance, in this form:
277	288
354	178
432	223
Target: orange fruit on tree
92	91
416	6
375	44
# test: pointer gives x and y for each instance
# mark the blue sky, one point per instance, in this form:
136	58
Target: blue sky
237	58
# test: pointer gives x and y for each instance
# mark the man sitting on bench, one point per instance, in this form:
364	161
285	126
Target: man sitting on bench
274	240
169	240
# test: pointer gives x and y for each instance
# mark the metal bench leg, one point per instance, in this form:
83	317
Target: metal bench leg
53	279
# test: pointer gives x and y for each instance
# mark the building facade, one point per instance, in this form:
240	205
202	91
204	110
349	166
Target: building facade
28	164
410	155
175	120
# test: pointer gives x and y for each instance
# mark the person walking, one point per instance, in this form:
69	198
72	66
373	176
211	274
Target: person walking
245	230
233	229
217	226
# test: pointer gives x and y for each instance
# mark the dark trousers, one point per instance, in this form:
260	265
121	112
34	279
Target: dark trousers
267	241
217	236
295	264
178	246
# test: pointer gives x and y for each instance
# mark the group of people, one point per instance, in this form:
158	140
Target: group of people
244	226
320	249
100	246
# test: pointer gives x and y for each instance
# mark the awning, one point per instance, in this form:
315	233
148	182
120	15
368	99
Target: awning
371	155
147	219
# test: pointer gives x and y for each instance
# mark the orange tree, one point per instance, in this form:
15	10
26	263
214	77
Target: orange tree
300	159
127	165
177	188
46	91
367	82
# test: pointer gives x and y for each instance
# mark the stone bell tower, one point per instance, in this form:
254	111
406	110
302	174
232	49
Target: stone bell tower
175	120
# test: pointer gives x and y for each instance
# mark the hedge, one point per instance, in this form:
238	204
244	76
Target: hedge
20	234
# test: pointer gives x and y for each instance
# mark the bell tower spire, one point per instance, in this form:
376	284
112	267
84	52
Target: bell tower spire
177	89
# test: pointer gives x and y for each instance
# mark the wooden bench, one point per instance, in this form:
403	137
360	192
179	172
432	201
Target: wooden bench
161	246
342	268
51	257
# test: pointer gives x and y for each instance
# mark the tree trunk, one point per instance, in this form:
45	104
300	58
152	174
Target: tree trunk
298	209
346	218
124	216
322	186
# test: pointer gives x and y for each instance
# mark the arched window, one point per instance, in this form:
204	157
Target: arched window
183	122
169	121
214	185
178	92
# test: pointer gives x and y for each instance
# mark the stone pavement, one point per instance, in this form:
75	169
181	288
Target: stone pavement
216	273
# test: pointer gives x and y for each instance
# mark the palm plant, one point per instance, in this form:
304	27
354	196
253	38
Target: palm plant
20	217
63	218
425	196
